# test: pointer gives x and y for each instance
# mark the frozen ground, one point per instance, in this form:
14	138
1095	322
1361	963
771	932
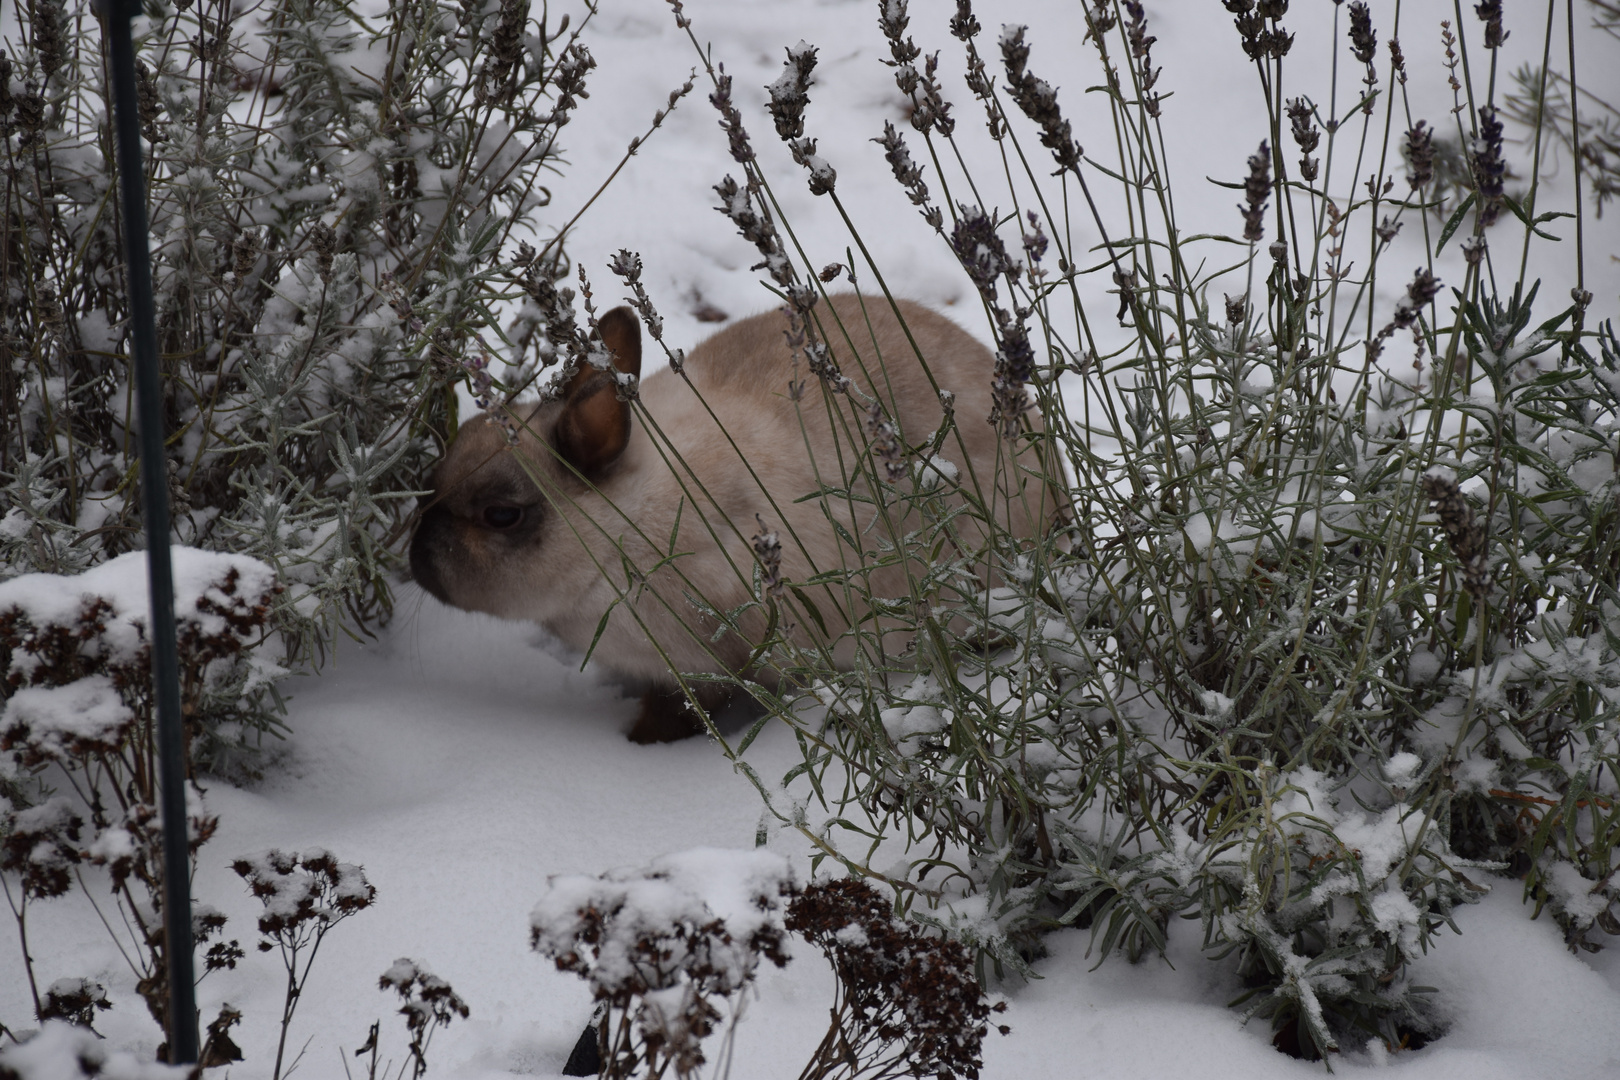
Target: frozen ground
461	764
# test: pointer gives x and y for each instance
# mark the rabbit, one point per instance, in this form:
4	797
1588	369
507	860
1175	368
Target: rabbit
534	529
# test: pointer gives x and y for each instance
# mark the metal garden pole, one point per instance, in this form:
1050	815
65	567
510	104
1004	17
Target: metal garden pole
115	19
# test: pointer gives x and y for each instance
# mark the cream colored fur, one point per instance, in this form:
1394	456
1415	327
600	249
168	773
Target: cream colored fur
570	571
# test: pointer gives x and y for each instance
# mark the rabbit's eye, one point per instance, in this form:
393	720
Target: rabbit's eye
502	517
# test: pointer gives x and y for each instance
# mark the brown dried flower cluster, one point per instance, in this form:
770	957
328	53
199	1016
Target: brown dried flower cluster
1465	534
908	1002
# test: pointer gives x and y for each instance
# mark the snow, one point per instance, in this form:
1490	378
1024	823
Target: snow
61	719
469	771
122	582
475	776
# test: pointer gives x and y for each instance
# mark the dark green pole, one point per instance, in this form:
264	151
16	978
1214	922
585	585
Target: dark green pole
115	19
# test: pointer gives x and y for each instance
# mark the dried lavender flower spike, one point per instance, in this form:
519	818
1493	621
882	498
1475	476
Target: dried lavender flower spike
1038	99
1363	38
790	93
1420	155
1490	13
1488	166
1256	193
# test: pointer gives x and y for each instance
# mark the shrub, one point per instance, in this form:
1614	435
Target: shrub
78	729
335	203
1329	636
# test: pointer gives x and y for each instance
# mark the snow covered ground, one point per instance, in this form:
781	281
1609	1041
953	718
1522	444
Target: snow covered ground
462	763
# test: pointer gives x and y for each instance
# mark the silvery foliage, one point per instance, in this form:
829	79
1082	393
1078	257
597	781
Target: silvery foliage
330	199
1330	637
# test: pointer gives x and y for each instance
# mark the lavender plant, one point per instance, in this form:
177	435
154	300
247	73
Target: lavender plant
336	201
1325	641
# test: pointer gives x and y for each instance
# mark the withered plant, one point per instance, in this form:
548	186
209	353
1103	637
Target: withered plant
305	894
666	968
908	1001
79	809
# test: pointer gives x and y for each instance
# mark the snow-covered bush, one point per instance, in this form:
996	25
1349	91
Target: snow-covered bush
62	1051
663	947
1331	631
336	201
78	734
658	955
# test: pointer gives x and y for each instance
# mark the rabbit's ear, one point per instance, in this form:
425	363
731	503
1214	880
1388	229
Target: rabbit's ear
621	333
595	425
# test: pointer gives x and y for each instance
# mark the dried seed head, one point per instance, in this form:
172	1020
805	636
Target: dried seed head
1303	125
768	550
244	253
742	151
499	78
150	103
31	116
1397	59
1490	13
1237	310
913	1006
1038	99
1489	168
1035	241
1419	294
893	20
738	204
790	93
1465	535
50	36
323	241
885	442
1420	155
310	889
964	25
1015	360
627	265
1141	43
428	998
74	1000
929	109
1306	136
1256	191
908	174
40	844
568	82
1099	19
1363	38
979	249
823	177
